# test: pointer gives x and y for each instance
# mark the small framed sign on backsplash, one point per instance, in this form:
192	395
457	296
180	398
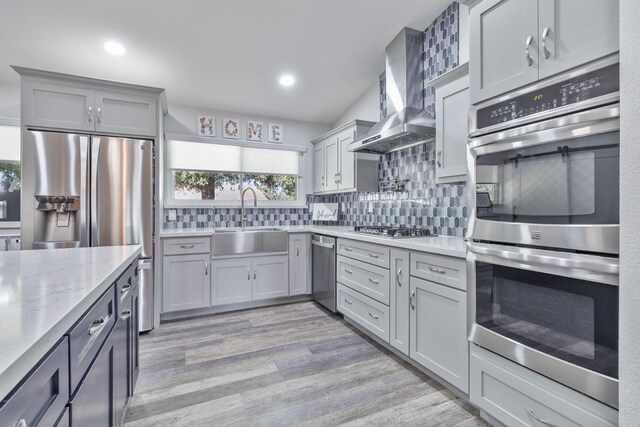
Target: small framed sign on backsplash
325	212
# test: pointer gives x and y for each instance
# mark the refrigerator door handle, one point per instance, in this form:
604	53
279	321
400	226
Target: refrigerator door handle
84	191
95	152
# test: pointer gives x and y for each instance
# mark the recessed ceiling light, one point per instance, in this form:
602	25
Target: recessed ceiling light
114	48
287	80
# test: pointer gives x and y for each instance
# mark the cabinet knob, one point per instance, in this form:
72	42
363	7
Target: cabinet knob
297	250
527	45
545	51
90	114
99	115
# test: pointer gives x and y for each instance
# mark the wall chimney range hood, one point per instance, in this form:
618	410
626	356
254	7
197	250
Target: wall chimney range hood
407	123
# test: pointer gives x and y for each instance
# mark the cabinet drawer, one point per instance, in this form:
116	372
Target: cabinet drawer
125	285
517	396
367	252
88	335
368	279
43	395
440	269
366	312
186	245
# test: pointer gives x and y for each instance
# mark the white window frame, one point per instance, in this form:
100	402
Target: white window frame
11	224
299	202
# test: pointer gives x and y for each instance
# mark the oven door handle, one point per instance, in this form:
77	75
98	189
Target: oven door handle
588	267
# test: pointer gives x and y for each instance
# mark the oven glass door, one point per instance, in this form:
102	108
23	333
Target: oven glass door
566	181
568	318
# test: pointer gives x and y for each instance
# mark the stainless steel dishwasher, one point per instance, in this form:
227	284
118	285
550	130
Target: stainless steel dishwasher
323	283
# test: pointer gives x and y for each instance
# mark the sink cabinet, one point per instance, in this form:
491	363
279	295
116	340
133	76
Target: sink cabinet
270	277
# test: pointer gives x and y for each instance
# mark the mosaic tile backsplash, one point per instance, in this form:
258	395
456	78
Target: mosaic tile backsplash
425	204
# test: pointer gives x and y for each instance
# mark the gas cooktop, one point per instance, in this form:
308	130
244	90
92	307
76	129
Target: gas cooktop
395	232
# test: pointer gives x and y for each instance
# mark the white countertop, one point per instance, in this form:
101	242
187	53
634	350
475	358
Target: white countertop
444	245
43	293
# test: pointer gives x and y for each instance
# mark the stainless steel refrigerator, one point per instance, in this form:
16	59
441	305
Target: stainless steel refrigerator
83	190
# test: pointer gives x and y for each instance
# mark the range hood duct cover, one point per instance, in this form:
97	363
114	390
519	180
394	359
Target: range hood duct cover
406	123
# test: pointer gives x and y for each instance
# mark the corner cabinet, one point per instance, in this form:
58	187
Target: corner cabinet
452	106
338	170
72	103
517	42
299	264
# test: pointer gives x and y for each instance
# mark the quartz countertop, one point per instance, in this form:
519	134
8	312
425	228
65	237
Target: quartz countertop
443	245
43	293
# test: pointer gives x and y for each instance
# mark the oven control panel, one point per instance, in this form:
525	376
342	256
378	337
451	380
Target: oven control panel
581	88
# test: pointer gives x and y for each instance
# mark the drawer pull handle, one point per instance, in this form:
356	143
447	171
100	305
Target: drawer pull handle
297	250
22	423
373	315
375	282
545	51
411	299
526	51
187	246
90	117
98	325
348	249
348	302
398	277
125	314
437	270
125	289
206	268
372	255
541	421
346	270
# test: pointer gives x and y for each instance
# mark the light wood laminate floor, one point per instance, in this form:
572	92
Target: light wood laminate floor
282	366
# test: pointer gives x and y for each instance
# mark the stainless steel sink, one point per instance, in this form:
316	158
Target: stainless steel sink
232	242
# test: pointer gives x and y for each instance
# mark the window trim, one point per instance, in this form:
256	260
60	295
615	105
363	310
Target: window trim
4	225
300	202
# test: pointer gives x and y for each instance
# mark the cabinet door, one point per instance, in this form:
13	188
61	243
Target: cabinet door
129	114
230	281
299	264
499	31
399	304
347	161
318	167
438	325
135	341
94	402
270	277
122	360
575	32
60	106
452	106
331	154
185	282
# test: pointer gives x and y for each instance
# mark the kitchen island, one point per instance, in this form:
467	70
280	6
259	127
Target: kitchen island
60	307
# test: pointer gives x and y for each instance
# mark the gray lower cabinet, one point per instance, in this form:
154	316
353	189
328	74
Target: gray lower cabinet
185	282
230	281
299	264
452	105
270	277
121	361
519	397
438	328
43	395
133	336
399	304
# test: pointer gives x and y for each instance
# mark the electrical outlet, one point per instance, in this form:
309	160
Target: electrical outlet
173	214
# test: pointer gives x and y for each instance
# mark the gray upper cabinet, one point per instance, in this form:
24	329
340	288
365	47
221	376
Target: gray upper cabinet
452	105
498	56
339	170
125	113
399	290
73	103
573	32
299	264
438	327
57	106
516	42
185	282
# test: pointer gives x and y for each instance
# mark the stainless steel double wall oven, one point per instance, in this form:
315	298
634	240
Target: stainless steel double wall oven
544	228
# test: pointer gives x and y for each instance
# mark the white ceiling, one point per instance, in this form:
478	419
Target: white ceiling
226	55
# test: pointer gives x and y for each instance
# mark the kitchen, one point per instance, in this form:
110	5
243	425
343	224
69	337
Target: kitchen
276	238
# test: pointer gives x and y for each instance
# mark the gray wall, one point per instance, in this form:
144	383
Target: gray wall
366	107
9	101
182	120
629	208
